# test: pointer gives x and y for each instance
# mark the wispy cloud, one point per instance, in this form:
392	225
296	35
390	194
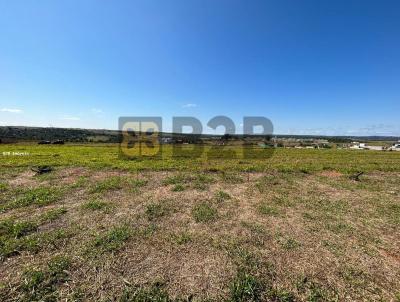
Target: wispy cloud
11	110
70	118
97	111
190	105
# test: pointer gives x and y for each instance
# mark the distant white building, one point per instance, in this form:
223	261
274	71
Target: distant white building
357	146
375	148
363	146
395	147
166	140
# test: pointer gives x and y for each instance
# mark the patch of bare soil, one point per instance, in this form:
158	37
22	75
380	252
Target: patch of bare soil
69	175
24	179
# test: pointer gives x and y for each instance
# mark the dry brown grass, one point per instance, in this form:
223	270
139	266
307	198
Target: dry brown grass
319	236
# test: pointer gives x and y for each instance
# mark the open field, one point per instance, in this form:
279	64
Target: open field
293	227
102	156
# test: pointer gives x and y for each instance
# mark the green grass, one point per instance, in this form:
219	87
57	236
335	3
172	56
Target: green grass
201	182
52	214
231	177
245	287
81	182
96	205
204	212
289	243
110	241
178	188
156	210
182	238
154	293
33	243
107	156
267	209
136	184
3	187
221	196
174	180
42	285
18	236
12	229
40	196
247	246
109	184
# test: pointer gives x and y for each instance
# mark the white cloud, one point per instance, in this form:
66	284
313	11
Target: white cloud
97	111
70	118
190	105
11	110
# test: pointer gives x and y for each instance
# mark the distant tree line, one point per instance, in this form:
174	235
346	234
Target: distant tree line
12	134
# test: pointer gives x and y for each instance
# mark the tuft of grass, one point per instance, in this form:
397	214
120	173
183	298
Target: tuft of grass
4	187
95	205
156	210
202	181
220	196
182	238
282	295
33	285
154	293
12	229
204	212
40	196
52	215
339	227
42	285
174	180
80	182
258	233
245	287
111	241
254	227
109	184
135	184
231	177
266	209
11	246
314	291
391	212
178	188
289	243
57	267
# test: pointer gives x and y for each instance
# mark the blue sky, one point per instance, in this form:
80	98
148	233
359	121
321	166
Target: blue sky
316	67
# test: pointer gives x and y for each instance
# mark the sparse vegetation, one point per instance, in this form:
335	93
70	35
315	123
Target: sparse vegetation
221	196
135	184
246	287
110	241
53	214
178	188
41	285
3	187
266	209
182	238
204	212
96	205
156	210
40	196
224	230
109	184
140	294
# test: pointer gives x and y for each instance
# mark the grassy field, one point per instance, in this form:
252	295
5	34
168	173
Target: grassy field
292	227
108	156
